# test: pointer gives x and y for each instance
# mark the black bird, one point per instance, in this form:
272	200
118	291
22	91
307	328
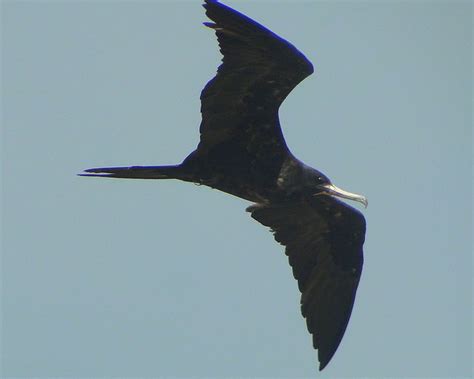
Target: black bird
242	152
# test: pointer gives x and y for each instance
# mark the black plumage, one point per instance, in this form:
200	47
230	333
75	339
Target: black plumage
242	152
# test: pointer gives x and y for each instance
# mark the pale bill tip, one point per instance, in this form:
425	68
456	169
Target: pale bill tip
331	189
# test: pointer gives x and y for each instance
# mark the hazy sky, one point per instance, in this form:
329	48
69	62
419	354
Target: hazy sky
167	279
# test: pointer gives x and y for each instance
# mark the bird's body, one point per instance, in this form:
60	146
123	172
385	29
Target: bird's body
242	151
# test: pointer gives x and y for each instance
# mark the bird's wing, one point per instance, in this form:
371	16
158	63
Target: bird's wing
240	104
323	238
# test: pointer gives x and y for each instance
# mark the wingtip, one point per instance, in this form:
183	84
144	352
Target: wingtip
322	365
209	2
211	25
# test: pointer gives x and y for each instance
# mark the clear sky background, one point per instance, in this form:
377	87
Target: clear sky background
168	279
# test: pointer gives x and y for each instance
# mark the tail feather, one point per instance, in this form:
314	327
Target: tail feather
135	172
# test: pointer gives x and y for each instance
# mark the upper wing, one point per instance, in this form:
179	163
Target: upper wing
240	104
323	238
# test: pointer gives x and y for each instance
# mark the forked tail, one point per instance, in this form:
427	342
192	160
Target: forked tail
135	172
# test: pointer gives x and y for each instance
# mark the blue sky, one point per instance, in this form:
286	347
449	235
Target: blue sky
167	279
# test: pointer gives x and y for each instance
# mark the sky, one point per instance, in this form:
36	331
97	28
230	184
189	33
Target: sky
164	279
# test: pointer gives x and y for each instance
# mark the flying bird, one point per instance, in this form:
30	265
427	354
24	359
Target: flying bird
242	151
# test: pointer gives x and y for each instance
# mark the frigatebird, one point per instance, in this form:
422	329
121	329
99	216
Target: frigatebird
242	152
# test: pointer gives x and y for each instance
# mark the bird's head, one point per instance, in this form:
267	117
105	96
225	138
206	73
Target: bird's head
323	186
